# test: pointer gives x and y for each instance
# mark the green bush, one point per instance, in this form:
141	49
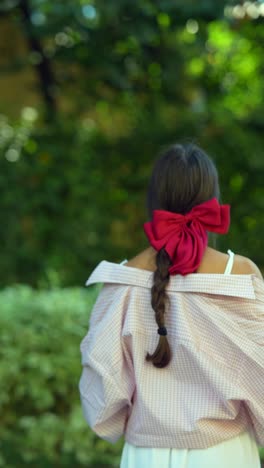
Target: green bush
41	419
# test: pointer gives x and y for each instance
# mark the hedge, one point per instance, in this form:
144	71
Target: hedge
41	419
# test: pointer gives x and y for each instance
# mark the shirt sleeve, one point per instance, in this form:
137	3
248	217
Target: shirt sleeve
107	381
252	366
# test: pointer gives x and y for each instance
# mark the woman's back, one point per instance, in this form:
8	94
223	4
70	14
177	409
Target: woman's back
213	323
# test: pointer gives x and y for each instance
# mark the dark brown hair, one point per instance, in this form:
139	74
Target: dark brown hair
183	177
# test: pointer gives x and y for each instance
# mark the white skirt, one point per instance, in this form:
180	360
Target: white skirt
239	452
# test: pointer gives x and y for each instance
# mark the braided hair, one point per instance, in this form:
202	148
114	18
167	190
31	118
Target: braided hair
183	177
162	355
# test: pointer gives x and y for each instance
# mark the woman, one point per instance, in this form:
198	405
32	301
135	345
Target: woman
174	357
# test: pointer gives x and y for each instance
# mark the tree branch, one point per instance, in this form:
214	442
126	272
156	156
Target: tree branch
43	68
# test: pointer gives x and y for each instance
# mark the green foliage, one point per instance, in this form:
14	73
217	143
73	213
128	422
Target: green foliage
125	79
41	420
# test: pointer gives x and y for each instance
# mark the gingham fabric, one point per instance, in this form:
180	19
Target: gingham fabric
212	390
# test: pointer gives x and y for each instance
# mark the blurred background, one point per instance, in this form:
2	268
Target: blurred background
90	92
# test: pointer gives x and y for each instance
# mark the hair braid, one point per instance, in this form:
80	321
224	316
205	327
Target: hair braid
162	355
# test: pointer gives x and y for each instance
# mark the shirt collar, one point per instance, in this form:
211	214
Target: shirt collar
216	284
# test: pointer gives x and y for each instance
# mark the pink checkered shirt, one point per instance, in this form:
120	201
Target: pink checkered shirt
212	390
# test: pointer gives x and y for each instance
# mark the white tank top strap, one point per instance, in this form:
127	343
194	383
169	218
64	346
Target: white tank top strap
123	262
230	262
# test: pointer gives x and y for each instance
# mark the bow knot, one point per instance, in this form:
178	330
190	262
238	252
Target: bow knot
189	217
184	237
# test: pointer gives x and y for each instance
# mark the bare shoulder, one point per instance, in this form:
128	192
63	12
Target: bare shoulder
245	266
212	262
145	260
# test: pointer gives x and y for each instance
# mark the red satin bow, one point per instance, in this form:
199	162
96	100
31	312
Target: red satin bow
185	236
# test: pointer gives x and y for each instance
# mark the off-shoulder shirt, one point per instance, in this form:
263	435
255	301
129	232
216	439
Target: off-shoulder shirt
213	388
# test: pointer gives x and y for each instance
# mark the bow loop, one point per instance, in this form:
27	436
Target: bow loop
185	236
